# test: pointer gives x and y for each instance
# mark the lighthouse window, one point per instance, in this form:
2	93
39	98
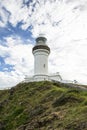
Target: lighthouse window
44	65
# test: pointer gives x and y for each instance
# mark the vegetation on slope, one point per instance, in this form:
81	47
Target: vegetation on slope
43	106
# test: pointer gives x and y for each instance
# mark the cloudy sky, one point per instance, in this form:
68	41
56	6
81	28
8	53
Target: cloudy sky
64	23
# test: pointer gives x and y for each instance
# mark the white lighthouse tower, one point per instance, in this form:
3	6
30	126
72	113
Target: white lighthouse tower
41	52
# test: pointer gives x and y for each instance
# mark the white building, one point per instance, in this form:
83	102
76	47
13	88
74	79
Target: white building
41	53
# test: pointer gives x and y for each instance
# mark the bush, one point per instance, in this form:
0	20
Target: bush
67	97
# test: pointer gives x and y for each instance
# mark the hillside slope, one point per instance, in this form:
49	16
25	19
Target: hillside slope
43	106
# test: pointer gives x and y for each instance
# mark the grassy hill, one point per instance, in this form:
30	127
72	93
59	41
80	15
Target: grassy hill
43	106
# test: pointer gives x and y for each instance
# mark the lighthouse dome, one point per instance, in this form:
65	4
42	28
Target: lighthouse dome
41	41
41	44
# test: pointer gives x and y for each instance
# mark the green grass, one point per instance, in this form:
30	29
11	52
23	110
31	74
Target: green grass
44	106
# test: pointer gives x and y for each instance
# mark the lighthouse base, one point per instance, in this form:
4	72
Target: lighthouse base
40	77
36	78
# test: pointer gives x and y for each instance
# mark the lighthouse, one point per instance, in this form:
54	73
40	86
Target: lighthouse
41	53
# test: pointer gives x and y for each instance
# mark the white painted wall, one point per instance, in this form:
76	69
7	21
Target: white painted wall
55	77
41	62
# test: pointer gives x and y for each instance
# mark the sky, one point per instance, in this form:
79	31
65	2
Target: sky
64	24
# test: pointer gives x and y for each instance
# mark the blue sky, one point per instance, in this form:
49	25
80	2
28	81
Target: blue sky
64	23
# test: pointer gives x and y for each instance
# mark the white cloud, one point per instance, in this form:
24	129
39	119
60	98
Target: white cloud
40	11
4	16
65	25
20	56
17	12
8	80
